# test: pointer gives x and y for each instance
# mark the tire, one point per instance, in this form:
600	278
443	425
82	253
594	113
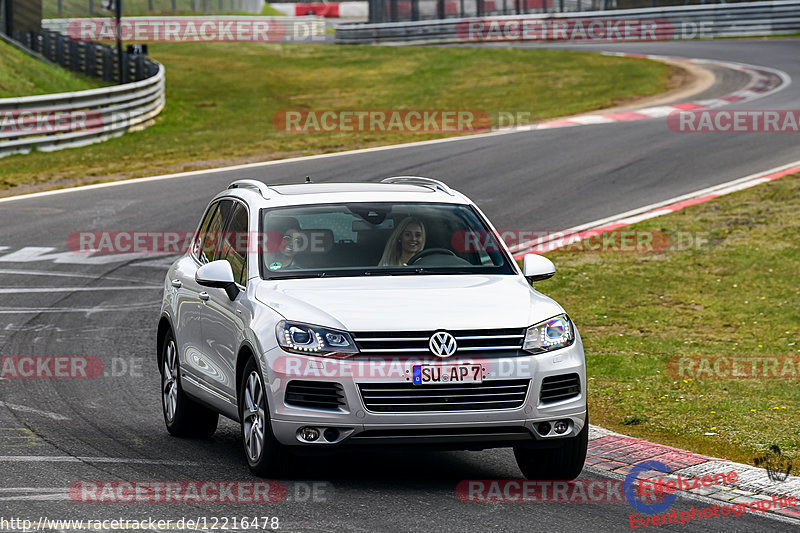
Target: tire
562	463
183	416
265	455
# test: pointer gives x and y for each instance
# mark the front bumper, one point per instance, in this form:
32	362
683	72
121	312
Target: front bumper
355	424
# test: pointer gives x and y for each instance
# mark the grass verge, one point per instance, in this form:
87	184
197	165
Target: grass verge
735	295
270	11
22	75
221	99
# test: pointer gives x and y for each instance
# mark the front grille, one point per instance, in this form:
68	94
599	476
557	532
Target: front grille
471	342
316	394
562	387
405	397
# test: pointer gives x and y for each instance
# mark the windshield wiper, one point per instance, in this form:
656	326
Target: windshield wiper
301	275
419	270
399	271
404	271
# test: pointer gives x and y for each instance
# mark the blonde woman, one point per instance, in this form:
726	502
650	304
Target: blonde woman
407	239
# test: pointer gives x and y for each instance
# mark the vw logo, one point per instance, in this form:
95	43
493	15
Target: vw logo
442	344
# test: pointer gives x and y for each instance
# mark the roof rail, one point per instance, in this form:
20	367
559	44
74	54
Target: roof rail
254	185
419	180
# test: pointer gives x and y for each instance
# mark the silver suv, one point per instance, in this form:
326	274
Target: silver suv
324	316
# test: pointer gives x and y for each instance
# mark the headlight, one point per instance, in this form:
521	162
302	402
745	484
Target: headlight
549	335
296	337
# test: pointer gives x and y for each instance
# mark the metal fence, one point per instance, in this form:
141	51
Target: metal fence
84	8
93	59
410	10
282	28
742	19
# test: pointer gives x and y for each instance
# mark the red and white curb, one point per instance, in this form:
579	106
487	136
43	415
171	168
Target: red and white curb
763	81
614	454
578	233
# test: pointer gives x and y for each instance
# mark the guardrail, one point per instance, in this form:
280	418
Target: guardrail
720	20
50	122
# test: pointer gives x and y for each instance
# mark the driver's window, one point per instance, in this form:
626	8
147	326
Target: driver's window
211	236
234	243
197	245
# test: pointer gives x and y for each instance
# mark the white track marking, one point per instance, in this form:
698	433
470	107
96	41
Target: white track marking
26	409
657	209
511	130
164	262
31	254
21	290
77	459
31	489
57	274
87	310
54	496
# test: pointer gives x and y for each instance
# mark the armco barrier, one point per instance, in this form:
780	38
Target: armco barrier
111	111
719	20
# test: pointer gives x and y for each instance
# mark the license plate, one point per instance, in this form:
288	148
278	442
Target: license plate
437	374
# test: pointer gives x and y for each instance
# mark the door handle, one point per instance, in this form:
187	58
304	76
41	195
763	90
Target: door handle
177	283
203	296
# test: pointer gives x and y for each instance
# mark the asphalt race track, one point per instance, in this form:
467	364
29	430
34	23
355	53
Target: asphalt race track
55	432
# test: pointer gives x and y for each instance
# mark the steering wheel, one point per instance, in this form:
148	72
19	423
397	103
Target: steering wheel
430	251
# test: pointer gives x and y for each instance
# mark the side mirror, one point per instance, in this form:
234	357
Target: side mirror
219	275
536	267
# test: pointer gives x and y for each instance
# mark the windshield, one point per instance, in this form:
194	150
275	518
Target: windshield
378	239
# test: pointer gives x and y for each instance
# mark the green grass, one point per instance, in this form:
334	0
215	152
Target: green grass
22	75
270	11
736	295
221	99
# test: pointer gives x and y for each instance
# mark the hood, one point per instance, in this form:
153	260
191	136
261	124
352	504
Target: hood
409	303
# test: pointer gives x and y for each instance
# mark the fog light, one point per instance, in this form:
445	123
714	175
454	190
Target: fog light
561	426
331	434
309	434
544	428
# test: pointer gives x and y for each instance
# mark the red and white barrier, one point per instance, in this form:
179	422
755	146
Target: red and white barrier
325	9
427	9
